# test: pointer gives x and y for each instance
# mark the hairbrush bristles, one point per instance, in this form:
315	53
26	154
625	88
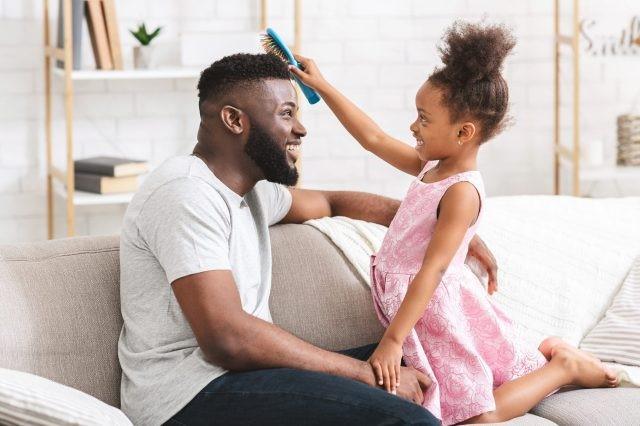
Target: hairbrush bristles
270	46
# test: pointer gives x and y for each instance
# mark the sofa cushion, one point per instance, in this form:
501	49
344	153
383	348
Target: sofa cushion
60	312
619	406
617	336
316	293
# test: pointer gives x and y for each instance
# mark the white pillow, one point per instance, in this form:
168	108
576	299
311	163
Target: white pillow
27	399
617	336
561	260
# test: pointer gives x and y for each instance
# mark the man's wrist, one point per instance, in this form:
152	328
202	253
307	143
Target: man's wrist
365	374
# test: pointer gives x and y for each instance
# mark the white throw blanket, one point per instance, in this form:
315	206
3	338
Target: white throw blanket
358	240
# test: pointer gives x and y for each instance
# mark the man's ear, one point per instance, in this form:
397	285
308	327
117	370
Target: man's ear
232	119
466	132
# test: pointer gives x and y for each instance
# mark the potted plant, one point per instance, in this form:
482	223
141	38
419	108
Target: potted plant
142	54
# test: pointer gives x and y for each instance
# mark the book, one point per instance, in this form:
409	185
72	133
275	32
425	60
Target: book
77	16
113	35
98	34
105	184
111	166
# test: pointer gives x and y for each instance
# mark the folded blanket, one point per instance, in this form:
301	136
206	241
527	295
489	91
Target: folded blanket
358	240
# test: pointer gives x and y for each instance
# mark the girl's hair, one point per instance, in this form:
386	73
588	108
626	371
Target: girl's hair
471	79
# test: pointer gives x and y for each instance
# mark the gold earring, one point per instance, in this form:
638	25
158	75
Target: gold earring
459	142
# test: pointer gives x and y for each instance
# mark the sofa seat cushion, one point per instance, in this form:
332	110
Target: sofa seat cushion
619	406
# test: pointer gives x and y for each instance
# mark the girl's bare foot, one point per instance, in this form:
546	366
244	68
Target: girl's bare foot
583	369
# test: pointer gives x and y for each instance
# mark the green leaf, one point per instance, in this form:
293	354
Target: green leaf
155	33
143	36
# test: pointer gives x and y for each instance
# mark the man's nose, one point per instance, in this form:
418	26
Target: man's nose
299	129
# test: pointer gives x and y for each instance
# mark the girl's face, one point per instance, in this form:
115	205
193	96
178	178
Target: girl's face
436	137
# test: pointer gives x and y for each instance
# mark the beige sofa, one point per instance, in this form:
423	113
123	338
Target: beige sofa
60	317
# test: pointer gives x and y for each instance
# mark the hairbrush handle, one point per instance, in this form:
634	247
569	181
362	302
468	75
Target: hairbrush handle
311	95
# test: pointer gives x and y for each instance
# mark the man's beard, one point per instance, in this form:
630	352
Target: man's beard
270	157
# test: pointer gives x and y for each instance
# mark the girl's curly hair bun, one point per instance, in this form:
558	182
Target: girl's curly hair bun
471	77
473	52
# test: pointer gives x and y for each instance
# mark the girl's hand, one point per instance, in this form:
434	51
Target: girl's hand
385	362
311	75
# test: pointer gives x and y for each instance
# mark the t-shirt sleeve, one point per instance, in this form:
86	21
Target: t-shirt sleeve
277	200
186	225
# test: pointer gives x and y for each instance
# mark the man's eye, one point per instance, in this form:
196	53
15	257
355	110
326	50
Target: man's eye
289	113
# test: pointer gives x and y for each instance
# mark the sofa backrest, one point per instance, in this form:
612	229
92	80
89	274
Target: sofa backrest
316	293
60	308
60	312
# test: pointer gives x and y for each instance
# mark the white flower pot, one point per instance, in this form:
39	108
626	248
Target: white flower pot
143	57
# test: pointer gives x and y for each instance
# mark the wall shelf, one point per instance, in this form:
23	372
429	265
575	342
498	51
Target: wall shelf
160	73
82	198
617	173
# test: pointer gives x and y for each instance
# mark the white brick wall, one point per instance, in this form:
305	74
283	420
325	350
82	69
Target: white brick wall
378	52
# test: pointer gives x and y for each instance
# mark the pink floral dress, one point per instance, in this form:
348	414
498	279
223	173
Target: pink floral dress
464	343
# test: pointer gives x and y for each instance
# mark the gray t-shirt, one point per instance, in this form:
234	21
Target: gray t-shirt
182	221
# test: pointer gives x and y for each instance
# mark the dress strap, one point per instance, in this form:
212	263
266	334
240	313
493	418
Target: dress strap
426	168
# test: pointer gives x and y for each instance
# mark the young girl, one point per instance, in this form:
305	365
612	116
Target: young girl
437	315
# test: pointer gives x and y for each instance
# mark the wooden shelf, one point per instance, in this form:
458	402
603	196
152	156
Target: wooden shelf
159	73
611	172
82	198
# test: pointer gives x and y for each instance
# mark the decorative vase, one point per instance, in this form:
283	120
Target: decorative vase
142	57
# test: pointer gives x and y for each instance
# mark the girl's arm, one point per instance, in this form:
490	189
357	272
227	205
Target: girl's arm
360	125
458	210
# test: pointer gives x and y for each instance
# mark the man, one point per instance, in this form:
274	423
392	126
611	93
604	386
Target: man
198	345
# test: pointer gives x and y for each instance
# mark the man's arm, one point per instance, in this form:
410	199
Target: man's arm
479	250
235	340
312	204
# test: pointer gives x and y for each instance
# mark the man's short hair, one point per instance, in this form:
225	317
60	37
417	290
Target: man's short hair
230	72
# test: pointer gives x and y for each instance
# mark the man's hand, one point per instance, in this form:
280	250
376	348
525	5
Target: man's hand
479	250
414	383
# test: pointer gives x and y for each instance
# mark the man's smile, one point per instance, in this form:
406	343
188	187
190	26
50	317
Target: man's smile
293	150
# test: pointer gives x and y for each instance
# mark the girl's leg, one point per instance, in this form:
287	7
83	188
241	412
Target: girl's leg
568	366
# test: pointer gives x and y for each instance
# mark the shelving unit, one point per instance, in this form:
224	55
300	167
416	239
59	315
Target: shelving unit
569	157
159	73
60	181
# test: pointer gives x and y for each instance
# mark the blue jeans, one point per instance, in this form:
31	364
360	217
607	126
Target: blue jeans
285	396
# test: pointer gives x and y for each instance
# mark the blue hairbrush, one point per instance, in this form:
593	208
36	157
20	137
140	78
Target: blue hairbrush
272	43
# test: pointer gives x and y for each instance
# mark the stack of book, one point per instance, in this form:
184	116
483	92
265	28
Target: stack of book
108	175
